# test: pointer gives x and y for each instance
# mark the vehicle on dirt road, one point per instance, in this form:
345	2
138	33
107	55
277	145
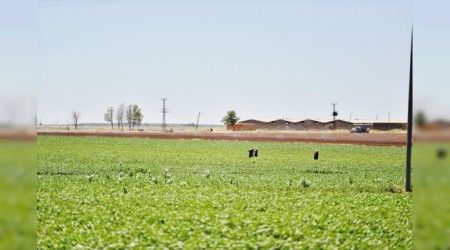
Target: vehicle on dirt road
359	129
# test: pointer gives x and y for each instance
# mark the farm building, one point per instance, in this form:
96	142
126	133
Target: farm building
309	124
283	124
381	124
439	125
292	124
342	124
242	127
321	124
259	124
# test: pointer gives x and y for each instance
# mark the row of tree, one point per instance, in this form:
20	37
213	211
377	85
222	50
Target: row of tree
132	114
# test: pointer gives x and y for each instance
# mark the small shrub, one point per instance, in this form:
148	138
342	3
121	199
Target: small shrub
305	183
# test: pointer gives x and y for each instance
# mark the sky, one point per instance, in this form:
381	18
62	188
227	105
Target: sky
263	59
18	61
432	58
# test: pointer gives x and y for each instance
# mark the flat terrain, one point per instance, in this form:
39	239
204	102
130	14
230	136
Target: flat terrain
374	139
117	193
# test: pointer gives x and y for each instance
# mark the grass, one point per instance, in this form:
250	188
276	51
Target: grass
147	193
17	195
431	206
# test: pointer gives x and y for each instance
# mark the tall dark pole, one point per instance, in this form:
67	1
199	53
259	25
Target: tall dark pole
164	111
409	135
198	118
334	114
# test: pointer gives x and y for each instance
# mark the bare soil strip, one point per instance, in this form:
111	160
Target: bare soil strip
375	139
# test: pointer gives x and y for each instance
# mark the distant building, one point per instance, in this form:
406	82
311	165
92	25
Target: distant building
438	125
381	124
283	124
259	124
242	127
321	124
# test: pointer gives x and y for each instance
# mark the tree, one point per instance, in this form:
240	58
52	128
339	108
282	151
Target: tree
134	116
120	115
137	115
130	116
75	118
230	118
420	118
109	116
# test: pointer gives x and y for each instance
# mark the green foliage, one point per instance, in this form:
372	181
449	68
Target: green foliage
230	118
137	114
134	116
431	206
17	195
420	118
305	183
183	194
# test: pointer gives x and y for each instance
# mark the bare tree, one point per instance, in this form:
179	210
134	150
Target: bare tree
109	116
120	114
130	116
75	118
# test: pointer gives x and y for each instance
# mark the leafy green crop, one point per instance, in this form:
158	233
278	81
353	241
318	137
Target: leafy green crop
17	195
183	194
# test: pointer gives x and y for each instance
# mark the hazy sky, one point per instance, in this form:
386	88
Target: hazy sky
263	59
18	50
432	57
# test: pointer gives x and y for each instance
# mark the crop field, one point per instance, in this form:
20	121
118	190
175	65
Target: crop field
119	193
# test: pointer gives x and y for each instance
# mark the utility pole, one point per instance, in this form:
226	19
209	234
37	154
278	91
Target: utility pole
198	118
335	113
164	111
409	134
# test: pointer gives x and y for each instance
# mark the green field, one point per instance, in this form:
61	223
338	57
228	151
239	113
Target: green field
192	194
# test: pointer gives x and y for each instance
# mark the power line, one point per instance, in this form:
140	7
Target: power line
247	107
147	100
71	104
60	3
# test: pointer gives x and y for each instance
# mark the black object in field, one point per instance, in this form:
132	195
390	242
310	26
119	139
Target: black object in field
253	152
441	153
316	155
